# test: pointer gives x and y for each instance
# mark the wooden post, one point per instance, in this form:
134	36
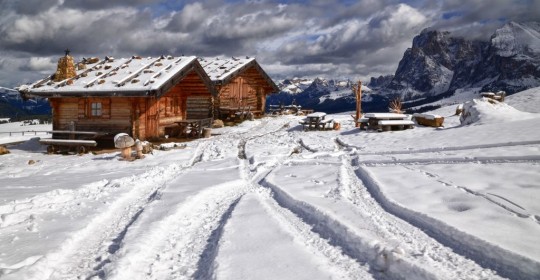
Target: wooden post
358	93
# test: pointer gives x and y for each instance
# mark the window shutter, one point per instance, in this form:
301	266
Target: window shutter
106	107
82	108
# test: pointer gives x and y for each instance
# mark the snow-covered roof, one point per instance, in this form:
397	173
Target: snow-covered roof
222	70
135	76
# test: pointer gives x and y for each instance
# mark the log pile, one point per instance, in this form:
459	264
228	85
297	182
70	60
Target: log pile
429	120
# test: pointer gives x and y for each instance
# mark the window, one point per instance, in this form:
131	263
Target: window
96	109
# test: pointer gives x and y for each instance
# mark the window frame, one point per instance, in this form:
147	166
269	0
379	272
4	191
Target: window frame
97	110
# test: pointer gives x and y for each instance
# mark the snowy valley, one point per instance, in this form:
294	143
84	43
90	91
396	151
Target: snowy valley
266	200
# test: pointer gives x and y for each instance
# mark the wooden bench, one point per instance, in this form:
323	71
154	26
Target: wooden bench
55	145
304	123
363	122
311	124
325	124
387	125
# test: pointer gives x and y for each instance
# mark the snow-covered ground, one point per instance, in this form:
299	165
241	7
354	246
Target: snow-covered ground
266	200
20	131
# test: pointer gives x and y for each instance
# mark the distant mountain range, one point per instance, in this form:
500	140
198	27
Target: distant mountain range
13	106
434	67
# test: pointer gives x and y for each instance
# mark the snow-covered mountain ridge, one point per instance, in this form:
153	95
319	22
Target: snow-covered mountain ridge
12	104
438	65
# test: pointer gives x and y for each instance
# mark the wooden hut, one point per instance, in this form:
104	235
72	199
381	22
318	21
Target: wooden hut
241	83
138	96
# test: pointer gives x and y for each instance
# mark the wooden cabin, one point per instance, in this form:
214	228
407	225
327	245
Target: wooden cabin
137	96
241	84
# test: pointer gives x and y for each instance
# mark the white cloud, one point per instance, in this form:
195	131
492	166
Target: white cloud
41	64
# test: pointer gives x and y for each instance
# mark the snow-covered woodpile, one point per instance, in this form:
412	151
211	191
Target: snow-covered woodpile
429	120
499	96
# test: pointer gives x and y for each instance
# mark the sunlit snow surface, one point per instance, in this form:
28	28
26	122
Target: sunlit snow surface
266	200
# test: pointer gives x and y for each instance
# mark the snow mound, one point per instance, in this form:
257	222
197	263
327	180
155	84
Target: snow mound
485	111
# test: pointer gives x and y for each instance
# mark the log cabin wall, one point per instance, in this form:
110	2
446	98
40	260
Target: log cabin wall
93	114
238	93
141	117
248	89
190	99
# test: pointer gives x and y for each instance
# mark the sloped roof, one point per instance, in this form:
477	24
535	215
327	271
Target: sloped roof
221	70
133	76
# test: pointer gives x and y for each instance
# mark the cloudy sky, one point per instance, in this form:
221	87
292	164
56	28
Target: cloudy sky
345	39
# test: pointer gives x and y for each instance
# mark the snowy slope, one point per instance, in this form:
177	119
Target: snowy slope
267	200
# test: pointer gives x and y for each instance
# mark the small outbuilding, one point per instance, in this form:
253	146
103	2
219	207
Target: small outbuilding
241	84
138	96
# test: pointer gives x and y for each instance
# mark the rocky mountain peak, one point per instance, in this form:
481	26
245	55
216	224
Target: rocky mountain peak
438	62
517	39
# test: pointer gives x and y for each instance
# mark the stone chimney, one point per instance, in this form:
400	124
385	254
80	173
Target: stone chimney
65	68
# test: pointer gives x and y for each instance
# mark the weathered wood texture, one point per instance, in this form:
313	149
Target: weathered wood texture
141	117
247	89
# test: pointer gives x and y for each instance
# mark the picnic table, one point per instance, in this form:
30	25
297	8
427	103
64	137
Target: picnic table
240	113
385	121
193	127
315	121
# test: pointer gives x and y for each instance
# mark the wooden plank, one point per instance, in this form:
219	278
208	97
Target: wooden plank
63	142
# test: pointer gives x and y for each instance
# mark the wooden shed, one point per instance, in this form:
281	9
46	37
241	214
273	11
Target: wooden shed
241	84
138	96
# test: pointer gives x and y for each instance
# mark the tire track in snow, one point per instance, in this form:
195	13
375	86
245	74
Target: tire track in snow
91	246
291	223
366	252
506	263
181	243
180	256
420	248
322	248
205	266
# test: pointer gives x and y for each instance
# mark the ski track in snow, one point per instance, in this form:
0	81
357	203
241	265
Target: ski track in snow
385	242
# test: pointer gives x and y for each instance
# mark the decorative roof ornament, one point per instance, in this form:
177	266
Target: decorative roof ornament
65	68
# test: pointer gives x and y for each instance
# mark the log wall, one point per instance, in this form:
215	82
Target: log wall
142	117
